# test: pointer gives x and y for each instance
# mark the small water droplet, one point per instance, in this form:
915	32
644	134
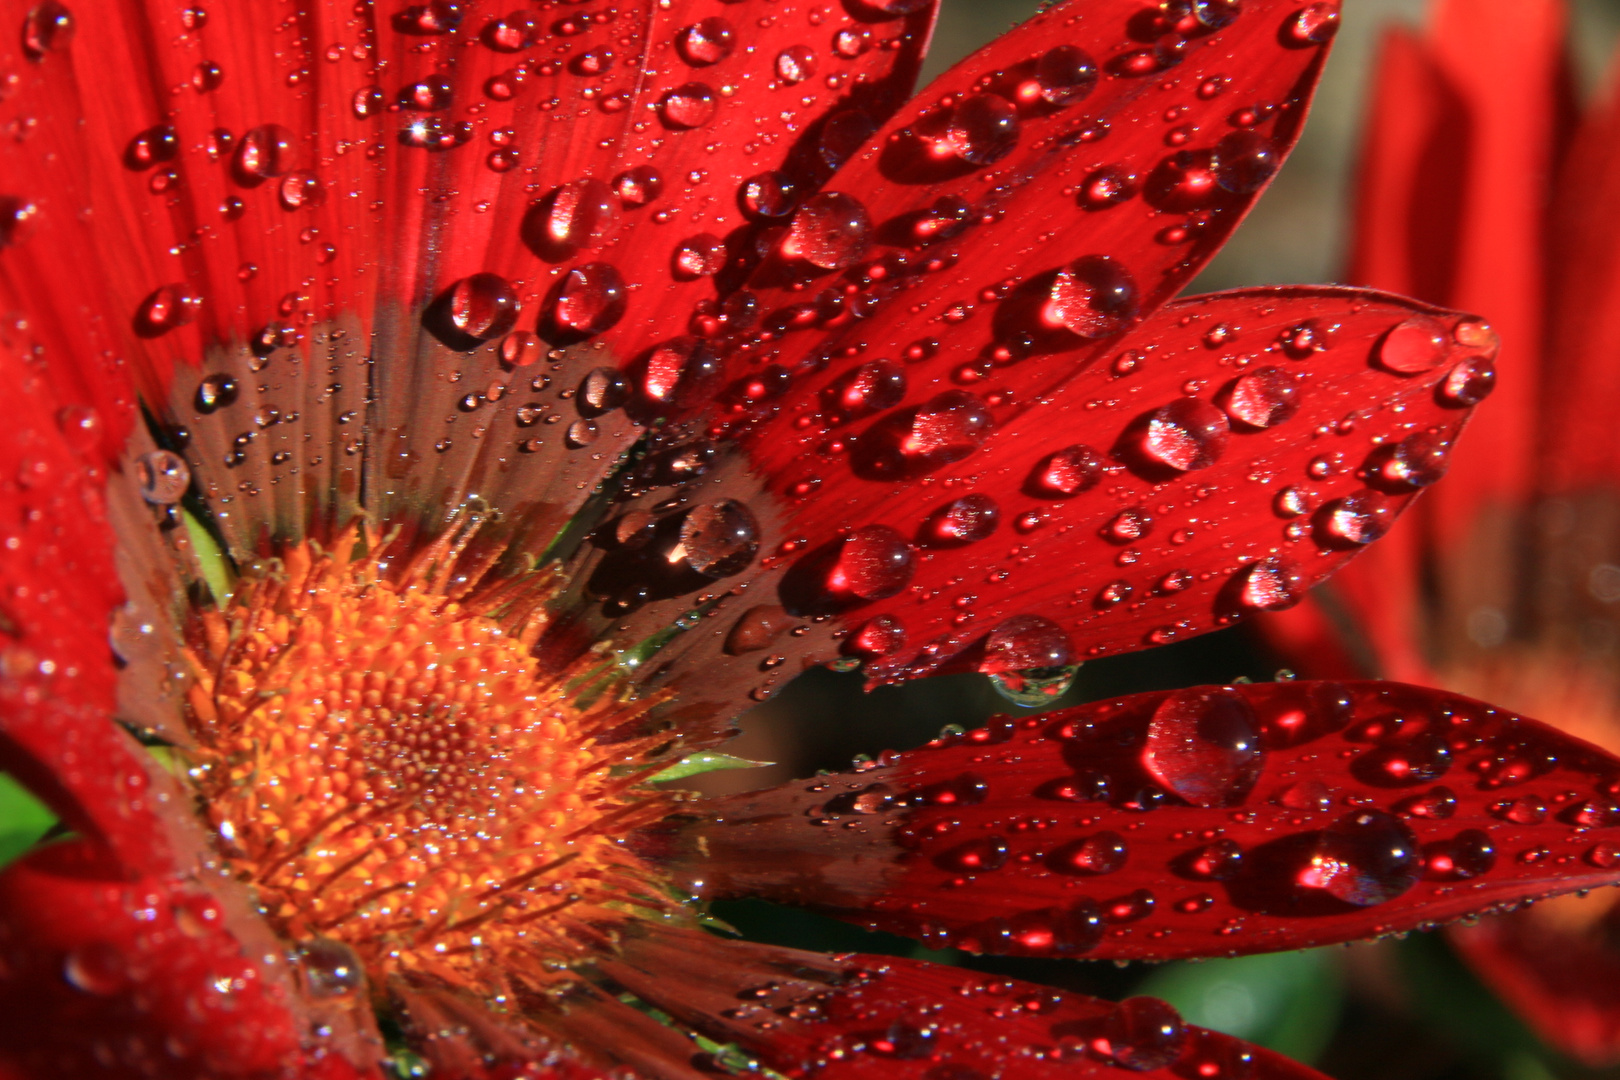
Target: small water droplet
1263	398
330	968
795	64
831	230
162	476
264	152
1144	1034
1093	297
1244	161
590	300
1066	74
966	520
1355	520
167	307
983	129
1185	435
718	539
872	563
688	106
46	28
1102	853
706	42
681	372
1418	344
1315	24
483	306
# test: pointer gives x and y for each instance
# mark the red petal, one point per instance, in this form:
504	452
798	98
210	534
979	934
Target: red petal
1097	546
108	974
1190	823
803	1014
1563	980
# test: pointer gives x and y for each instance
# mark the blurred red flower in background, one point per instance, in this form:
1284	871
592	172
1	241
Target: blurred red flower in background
456	418
1483	185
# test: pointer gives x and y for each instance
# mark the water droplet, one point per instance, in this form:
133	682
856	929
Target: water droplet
17	219
1108	186
1144	1034
706	42
872	563
1208	14
1469	382
151	147
1067	472
1244	161
96	968
1467	855
1093	297
331	969
1315	24
483	306
769	195
1271	584
1127	526
1310	796
265	151
1437	804
602	390
1066	74
985	853
688	106
591	299
521	348
1185	435
983	129
963	521
946	428
795	64
1215	861
162	476
890	9
1355	520
718	539
581	433
638	186
1204	745
681	372
48	27
1103	853
831	230
844	133
1364	858
1263	398
576	216
167	307
1420	343
869	388
882	635
1419	459
1024	643
698	256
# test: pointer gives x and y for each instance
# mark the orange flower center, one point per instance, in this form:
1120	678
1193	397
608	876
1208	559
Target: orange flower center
389	768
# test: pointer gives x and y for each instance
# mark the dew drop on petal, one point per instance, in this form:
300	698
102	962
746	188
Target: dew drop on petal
215	392
1469	382
844	133
1204	745
1357	519
1066	74
881	635
986	853
795	64
687	106
1418	344
1102	853
165	308
592	299
769	195
96	968
1420	459
162	477
963	521
17	219
638	186
1093	297
1315	24
577	216
1026	642
1244	161
719	539
869	388
983	129
47	27
1364	858
1216	861
681	372
602	390
873	562
947	428
1185	435
1469	854
703	255
1263	398
1068	472
1144	1034
706	42
330	968
1208	14
831	230
521	348
1270	584
483	306
265	151
1108	186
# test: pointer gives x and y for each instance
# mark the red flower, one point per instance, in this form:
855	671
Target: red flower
1480	189
461	416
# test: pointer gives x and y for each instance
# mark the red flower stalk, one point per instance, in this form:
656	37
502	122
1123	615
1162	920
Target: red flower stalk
458	417
1480	188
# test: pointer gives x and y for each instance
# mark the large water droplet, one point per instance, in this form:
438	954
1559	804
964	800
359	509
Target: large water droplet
1263	398
1420	343
681	372
483	306
331	969
1185	435
1364	858
983	129
162	477
96	968
1419	459
870	387
1207	14
718	539
167	307
795	64
1469	382
1357	519
986	853
768	195
1270	584
602	391
706	42
872	563
1108	186
215	392
1067	472
688	106
591	299
1244	161
47	27
1469	854
831	230
844	133
265	151
1093	297
1066	74
962	521
1144	1034
946	428
1315	24
703	255
1102	853
1204	745
1026	642
575	217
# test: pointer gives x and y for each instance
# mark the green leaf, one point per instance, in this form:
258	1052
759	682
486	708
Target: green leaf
23	819
211	558
707	761
1288	1002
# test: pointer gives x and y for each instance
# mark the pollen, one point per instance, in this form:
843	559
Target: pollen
389	767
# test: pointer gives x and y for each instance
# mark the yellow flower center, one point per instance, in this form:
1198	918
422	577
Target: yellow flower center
388	767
